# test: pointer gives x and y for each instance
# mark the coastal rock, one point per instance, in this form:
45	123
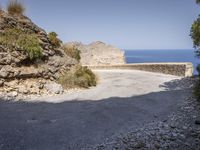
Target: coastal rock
17	72
99	53
54	88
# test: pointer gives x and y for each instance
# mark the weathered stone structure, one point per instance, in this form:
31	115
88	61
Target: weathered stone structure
177	69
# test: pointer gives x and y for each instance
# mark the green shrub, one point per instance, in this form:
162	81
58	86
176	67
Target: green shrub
197	86
197	90
72	52
15	7
198	70
18	39
31	45
78	77
54	39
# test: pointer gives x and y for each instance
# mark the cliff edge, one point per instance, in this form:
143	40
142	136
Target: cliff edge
98	53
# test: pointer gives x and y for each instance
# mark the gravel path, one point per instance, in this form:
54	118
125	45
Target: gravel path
123	101
180	131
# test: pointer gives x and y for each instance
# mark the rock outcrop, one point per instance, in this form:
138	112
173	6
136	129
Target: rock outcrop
16	72
98	53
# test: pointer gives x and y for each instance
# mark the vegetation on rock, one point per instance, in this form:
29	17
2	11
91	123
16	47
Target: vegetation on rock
195	35
72	52
78	77
15	7
54	39
197	87
22	43
17	39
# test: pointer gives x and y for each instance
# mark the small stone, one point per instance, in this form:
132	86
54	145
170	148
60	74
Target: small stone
173	126
174	134
54	88
185	128
165	120
155	116
13	94
139	145
197	122
1	82
157	145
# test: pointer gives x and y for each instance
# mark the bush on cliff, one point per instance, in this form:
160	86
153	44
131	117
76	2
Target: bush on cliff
78	77
15	7
197	90
54	39
197	86
195	35
72	52
16	39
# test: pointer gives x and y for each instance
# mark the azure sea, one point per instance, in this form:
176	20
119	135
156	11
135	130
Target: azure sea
148	56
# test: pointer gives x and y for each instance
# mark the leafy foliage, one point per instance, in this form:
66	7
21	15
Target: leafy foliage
197	91
30	44
15	7
78	77
195	35
54	39
17	39
197	87
72	52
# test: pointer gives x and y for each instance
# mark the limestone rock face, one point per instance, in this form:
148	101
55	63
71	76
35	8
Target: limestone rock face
54	88
13	62
98	53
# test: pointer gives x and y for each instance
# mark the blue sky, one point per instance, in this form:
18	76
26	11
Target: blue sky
127	24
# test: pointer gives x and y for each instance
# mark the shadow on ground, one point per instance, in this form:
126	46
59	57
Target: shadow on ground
179	84
80	124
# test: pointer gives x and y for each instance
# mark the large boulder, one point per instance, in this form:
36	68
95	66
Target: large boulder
99	53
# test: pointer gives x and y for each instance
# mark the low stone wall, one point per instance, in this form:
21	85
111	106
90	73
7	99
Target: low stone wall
177	69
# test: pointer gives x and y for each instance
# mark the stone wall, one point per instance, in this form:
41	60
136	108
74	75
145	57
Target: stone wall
177	69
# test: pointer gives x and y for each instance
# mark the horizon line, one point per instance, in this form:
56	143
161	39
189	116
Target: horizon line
160	49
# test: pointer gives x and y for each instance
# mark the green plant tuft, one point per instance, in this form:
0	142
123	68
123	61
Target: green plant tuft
78	77
54	39
18	39
30	44
197	86
15	7
197	91
72	52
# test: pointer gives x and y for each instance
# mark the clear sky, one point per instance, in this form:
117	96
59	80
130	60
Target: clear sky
127	24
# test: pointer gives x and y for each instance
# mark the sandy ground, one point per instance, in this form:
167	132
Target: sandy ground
117	83
122	100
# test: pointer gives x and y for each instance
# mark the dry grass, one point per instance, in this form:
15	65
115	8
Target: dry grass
15	7
78	77
72	52
55	41
17	39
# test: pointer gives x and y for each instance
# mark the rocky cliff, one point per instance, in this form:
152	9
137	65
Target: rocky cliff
98	53
19	74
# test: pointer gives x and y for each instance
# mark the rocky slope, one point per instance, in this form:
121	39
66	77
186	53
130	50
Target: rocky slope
17	74
98	53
